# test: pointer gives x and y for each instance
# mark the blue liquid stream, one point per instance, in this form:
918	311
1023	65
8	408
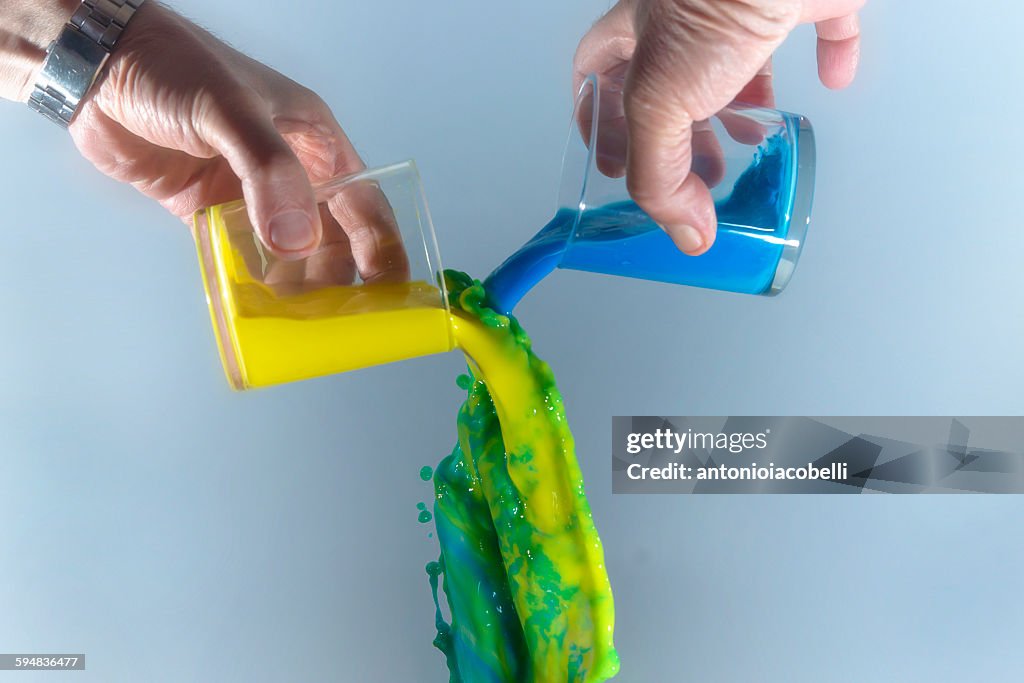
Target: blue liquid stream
619	238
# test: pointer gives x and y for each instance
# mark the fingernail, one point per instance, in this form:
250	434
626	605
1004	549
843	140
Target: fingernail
688	238
291	231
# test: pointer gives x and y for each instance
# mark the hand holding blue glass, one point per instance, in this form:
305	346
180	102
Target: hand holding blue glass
759	164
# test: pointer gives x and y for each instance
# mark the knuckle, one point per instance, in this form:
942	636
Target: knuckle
767	20
293	101
309	101
656	120
225	101
278	162
694	55
664	77
240	118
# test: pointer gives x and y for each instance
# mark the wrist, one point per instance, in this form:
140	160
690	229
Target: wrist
27	27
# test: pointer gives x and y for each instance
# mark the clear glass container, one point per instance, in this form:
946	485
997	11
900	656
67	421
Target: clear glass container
758	164
370	294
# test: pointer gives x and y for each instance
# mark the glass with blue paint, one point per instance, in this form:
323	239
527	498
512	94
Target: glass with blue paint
757	162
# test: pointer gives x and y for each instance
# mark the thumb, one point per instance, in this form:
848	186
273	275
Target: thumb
691	60
277	191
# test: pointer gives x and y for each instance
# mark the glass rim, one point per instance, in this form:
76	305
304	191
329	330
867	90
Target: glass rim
800	210
216	301
580	185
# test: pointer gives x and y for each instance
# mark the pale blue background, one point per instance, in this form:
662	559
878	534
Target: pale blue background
174	531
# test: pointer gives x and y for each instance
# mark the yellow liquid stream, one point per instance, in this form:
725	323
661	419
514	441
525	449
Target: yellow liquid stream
515	527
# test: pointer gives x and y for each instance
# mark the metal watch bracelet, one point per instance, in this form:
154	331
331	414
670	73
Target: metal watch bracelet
74	61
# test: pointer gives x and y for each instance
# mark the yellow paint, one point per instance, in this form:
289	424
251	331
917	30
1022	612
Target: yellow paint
379	324
268	335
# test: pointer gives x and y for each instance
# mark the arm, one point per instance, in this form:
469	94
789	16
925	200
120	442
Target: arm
26	28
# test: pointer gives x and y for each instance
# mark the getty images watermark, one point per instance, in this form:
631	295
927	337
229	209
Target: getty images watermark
658	454
668	440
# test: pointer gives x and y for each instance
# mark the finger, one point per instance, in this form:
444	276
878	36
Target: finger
610	42
708	157
612	136
838	50
759	92
659	177
319	143
686	68
277	191
741	126
368	220
659	161
606	50
286	278
368	239
333	263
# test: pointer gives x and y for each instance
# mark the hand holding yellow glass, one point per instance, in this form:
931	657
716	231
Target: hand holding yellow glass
369	295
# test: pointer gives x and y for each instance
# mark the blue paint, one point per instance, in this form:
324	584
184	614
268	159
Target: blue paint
531	263
620	239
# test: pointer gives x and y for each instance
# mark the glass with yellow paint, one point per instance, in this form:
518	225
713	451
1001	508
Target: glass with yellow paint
371	294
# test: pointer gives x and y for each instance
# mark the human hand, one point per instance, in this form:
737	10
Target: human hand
191	122
683	61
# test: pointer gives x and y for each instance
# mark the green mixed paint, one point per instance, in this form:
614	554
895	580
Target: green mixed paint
522	565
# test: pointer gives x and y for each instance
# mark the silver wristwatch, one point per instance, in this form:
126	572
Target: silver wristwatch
75	59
